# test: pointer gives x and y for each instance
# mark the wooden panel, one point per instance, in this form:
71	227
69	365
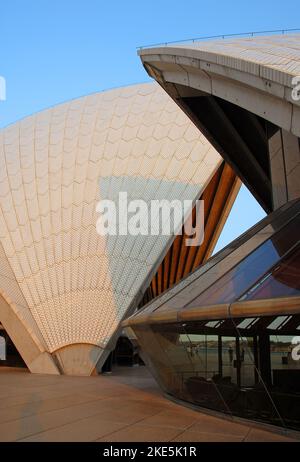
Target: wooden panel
181	260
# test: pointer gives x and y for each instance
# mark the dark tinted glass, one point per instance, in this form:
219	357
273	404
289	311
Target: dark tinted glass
240	278
282	281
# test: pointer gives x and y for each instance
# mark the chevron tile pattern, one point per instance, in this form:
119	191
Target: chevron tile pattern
70	285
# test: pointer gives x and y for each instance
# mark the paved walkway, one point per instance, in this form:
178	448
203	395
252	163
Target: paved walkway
124	406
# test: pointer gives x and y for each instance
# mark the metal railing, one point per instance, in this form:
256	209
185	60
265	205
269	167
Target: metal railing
218	37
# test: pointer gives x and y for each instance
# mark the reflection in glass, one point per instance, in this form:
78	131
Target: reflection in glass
282	281
242	367
241	278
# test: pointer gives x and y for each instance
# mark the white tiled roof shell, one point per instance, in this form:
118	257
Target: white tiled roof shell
274	57
54	167
259	74
281	52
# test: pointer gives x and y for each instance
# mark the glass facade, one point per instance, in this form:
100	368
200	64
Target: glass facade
243	367
228	337
246	273
281	281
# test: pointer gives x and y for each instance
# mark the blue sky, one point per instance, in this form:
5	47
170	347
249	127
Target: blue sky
54	50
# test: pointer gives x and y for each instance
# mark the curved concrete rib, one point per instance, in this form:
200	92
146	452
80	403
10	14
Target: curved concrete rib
254	73
32	351
244	96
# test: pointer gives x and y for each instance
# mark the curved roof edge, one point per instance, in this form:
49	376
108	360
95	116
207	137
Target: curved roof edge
254	73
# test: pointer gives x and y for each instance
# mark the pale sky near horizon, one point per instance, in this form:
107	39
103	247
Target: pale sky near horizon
55	50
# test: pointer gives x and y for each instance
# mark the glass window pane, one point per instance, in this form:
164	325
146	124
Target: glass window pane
236	281
247	323
278	322
283	281
245	371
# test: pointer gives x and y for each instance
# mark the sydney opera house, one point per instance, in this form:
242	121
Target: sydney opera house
216	331
64	288
226	336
